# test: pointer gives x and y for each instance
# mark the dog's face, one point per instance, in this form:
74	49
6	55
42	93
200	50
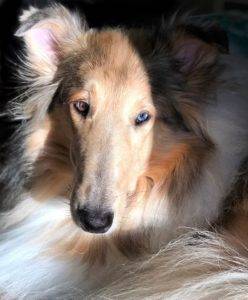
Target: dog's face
134	129
112	115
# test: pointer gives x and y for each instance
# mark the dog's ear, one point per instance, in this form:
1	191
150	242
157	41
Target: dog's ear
193	46
184	67
48	34
196	48
184	57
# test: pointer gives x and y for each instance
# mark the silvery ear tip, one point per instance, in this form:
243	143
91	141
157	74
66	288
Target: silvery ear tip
25	20
27	13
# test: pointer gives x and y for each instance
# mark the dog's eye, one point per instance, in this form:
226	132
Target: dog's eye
82	107
142	117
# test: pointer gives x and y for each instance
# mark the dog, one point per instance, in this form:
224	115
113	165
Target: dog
123	179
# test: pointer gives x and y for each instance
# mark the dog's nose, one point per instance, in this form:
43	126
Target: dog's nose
95	221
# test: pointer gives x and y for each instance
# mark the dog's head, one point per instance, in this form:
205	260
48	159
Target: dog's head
130	101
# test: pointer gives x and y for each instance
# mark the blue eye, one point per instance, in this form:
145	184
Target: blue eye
142	117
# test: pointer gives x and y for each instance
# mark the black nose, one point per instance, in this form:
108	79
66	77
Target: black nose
95	221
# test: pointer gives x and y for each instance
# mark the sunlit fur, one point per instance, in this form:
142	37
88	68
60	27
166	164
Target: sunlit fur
160	179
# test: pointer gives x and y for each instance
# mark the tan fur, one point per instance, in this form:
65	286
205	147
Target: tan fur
158	179
131	165
51	165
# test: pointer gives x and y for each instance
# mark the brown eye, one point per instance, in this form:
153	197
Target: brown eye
82	107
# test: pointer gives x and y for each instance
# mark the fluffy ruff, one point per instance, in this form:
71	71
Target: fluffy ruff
197	265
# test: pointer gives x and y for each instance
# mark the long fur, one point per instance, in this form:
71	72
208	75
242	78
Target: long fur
163	246
197	265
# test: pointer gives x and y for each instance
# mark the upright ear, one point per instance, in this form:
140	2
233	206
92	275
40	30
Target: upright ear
48	34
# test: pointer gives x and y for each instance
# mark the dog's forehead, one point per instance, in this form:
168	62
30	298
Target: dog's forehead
110	45
111	54
110	62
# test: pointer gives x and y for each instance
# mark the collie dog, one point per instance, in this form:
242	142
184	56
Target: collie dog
127	177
